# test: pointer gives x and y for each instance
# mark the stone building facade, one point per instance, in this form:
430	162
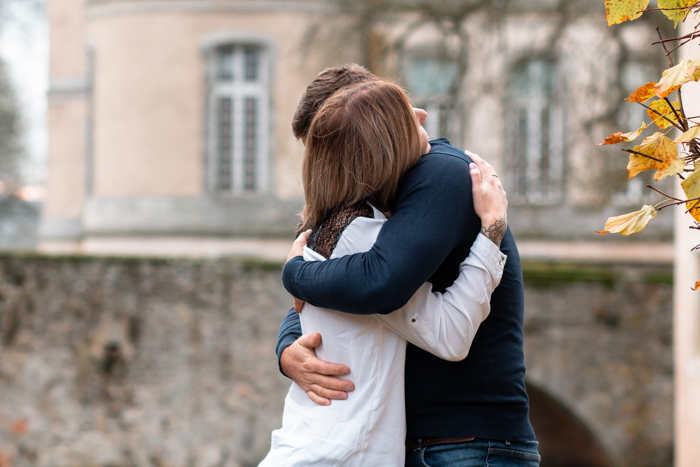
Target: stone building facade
170	118
687	317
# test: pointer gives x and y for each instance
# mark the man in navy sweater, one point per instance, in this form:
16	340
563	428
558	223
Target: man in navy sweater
468	413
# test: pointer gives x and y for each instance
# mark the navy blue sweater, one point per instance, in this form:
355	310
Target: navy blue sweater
429	234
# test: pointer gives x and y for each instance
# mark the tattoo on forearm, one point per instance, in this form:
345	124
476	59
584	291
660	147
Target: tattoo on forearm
495	231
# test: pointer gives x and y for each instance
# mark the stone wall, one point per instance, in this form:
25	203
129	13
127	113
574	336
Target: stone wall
107	362
598	339
147	363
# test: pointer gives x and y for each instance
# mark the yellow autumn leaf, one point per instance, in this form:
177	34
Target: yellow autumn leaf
674	9
621	137
630	223
689	135
673	78
619	11
662	107
691	188
643	93
660	148
669	167
694	72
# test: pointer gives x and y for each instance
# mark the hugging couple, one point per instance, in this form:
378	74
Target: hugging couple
406	269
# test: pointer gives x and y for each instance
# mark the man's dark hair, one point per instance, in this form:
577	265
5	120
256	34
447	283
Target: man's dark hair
321	88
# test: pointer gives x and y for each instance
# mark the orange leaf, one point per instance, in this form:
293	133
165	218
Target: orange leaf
643	93
630	223
621	137
658	146
691	188
619	11
662	107
697	285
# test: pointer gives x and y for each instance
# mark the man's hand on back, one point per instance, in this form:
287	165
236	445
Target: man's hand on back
313	375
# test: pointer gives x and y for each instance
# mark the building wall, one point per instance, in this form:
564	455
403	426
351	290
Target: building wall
129	147
150	96
129	152
687	313
67	120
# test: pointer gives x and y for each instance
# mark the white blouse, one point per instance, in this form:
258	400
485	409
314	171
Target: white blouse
369	427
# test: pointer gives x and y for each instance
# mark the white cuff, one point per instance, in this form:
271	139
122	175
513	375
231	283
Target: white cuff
489	254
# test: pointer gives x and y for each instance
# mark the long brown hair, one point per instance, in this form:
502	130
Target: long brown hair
359	144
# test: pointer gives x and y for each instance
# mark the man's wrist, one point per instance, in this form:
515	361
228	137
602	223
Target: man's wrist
283	359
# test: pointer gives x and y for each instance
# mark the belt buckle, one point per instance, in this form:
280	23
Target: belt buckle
413	445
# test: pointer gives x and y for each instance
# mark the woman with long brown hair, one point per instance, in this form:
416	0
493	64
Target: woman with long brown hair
360	144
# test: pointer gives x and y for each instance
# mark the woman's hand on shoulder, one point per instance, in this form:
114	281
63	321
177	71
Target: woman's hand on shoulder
490	200
298	245
298	250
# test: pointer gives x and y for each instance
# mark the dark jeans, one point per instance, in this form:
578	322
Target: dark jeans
477	453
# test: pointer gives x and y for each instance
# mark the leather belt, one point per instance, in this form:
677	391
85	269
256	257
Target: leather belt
415	444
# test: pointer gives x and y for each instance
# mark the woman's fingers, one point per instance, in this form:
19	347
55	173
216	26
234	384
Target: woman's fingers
490	201
475	174
488	173
299	244
303	237
298	304
486	170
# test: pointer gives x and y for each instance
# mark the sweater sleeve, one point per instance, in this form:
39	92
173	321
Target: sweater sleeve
433	206
445	324
290	330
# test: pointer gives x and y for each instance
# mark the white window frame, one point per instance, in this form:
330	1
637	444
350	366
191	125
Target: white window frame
238	90
534	107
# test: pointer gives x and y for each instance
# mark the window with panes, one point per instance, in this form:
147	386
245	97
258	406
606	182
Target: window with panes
430	81
535	135
238	106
